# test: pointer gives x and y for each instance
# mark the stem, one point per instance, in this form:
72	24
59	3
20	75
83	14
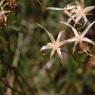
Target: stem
18	50
10	87
15	63
82	3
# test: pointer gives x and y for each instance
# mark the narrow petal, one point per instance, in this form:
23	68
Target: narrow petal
88	9
69	20
61	43
75	46
49	34
2	1
70	40
59	36
86	30
85	20
88	40
45	47
59	53
54	8
74	30
5	12
52	53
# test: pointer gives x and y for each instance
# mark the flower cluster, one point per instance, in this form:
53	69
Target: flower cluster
76	12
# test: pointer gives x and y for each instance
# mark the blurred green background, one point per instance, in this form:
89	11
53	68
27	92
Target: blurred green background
35	74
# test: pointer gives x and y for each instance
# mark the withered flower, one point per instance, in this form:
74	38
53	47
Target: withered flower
3	12
12	3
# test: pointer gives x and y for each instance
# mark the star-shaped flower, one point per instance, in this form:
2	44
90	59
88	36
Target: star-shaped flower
75	11
68	10
79	37
81	12
55	45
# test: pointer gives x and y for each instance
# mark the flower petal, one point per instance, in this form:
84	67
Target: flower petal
49	34
61	43
74	30
59	36
69	20
59	53
88	40
55	8
2	1
5	12
45	47
52	53
70	40
86	30
75	46
85	19
88	9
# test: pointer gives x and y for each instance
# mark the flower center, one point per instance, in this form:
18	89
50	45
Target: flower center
56	45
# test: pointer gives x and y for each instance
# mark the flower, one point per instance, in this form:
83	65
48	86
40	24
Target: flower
81	12
68	10
3	13
79	37
55	45
75	11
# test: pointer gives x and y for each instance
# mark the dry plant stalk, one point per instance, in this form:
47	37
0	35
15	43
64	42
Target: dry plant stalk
16	58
